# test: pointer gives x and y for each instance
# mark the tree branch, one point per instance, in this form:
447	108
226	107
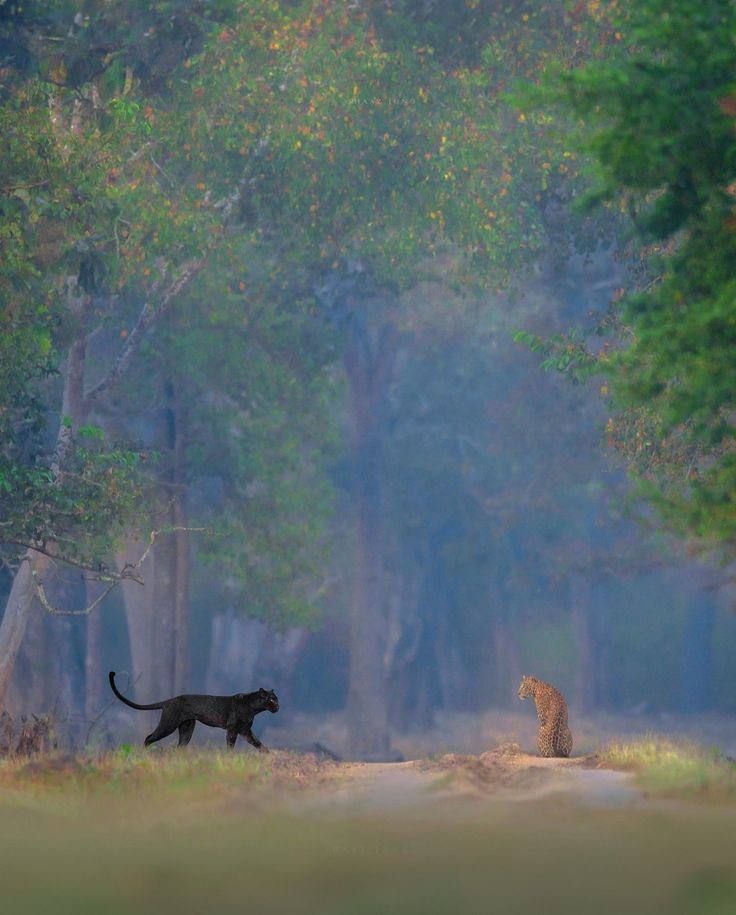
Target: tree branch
149	315
45	551
10	188
127	573
85	611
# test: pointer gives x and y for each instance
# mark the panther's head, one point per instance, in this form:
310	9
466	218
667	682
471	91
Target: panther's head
269	699
526	687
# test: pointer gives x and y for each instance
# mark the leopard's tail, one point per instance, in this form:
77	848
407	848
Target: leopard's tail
143	708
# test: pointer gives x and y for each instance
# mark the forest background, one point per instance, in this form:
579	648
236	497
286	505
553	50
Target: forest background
275	280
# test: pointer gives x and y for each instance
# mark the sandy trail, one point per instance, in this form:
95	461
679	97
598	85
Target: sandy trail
495	776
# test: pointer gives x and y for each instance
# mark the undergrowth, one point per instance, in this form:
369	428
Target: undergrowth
134	777
670	767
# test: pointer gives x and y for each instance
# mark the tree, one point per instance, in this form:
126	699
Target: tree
92	236
659	130
367	148
321	144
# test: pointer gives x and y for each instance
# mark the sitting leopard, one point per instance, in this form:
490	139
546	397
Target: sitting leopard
554	737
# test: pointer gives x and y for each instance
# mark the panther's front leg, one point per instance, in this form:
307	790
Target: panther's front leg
252	739
232	736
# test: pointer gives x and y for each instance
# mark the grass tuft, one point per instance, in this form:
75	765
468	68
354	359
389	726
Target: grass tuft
673	768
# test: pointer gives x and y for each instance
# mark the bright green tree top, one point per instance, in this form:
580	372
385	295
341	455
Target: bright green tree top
662	135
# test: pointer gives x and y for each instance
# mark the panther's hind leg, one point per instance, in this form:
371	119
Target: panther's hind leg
167	725
186	729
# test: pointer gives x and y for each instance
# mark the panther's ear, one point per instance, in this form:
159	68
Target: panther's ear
263	692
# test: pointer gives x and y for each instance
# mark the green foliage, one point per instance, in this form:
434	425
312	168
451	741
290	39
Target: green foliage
565	353
490	511
373	135
79	512
259	420
59	223
680	769
659	127
354	147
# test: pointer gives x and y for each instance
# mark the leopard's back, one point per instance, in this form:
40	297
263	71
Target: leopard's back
554	737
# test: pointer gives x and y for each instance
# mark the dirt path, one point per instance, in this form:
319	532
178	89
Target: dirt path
378	786
497	775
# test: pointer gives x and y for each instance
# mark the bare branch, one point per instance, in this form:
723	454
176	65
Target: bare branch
149	315
39	547
11	188
152	540
127	573
169	179
85	611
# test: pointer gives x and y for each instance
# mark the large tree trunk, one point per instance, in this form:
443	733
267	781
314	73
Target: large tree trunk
585	683
181	599
164	610
507	664
27	691
505	674
75	407
48	674
235	647
696	685
181	552
367	702
138	602
68	673
93	672
171	556
23	593
369	365
158	613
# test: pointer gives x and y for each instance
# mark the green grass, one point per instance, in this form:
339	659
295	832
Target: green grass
135	833
132	767
675	768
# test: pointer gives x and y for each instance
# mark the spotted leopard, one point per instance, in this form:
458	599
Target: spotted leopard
554	738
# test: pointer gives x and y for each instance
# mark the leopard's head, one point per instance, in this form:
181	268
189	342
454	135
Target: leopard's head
269	699
526	687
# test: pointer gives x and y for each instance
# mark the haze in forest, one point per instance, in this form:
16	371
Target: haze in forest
276	280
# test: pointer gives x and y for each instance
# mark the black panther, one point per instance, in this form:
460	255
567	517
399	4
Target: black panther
234	713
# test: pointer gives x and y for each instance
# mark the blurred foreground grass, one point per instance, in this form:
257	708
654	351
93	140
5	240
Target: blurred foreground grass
198	832
675	768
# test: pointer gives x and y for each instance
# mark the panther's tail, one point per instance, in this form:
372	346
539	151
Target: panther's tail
143	708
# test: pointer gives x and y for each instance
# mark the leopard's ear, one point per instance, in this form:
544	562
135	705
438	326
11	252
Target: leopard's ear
263	692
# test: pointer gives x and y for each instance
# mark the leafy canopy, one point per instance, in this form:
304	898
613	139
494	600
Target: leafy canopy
659	120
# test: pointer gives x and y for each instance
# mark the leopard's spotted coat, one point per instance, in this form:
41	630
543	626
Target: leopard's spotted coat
554	738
